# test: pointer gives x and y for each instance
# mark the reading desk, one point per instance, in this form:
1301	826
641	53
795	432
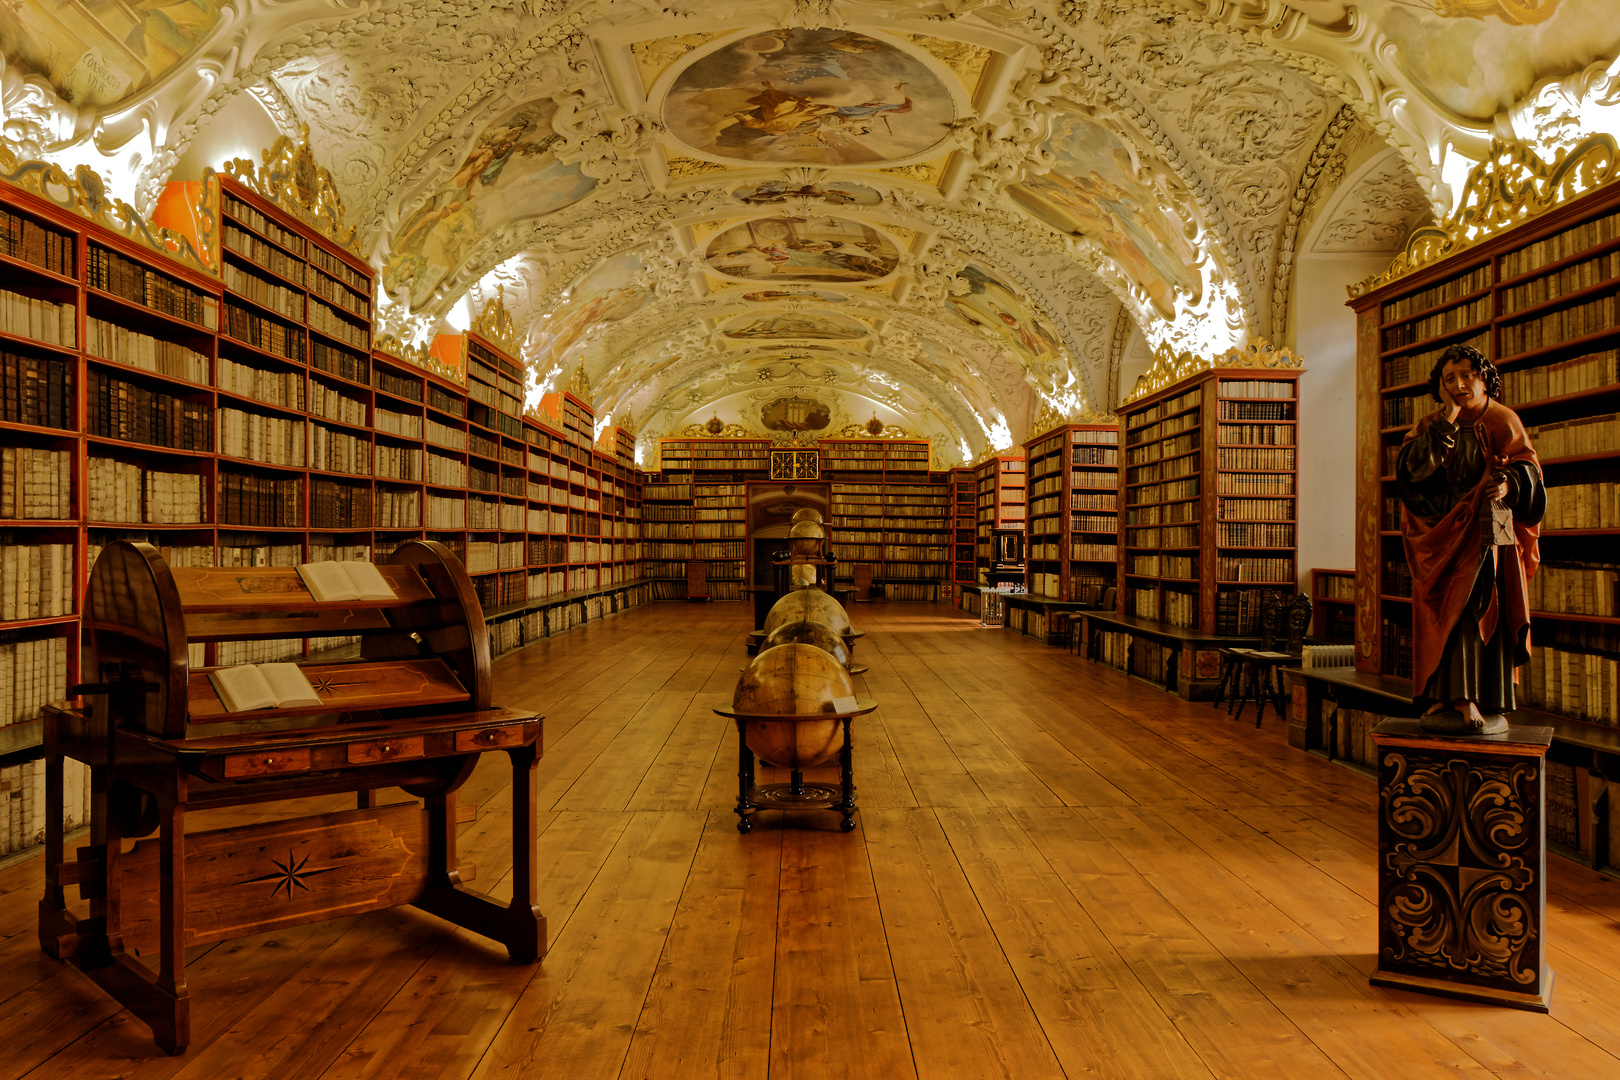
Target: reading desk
413	712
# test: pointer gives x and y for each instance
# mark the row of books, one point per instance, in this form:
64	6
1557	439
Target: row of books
111	272
36	581
1094	501
1235	483
1397	579
32	674
1561	245
1592	505
1575	590
124	492
348	506
402	463
1181	402
1254	535
1257	434
265	293
1442	322
1238	458
36	484
1179	608
121	345
36	390
1271	389
1164	492
1094	523
335	405
1561	812
1396	642
404	425
1565	324
260	502
23	804
1579	685
443	513
273	440
1404	411
40	320
26	239
1254	410
915	552
1581	275
1254	509
256	221
1240	570
339	451
118	409
263	255
283	388
264	333
1185	465
1570	438
1093	552
1588	372
328	321
1443	293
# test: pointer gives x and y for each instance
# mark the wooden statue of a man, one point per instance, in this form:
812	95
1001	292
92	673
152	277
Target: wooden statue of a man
1473	497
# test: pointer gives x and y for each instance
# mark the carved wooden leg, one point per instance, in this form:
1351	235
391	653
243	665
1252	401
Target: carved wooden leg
172	1026
745	779
527	940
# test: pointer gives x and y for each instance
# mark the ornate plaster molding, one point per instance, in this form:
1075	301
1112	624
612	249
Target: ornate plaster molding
1305	191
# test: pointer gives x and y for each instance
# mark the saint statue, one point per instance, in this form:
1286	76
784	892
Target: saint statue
1473	497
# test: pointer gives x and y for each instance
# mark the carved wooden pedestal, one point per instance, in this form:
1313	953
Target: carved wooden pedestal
1462	893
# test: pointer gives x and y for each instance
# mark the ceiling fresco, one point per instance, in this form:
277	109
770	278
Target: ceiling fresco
953	213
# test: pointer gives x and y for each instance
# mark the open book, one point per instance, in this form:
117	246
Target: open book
263	686
345	581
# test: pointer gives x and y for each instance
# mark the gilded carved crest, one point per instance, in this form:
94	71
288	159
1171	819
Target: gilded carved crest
579	384
1170	367
290	178
494	323
1511	186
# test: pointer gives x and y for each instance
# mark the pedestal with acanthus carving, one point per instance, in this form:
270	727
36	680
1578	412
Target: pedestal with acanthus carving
1462	893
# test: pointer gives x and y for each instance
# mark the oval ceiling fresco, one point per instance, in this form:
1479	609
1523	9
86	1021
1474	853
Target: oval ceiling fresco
808	97
792	249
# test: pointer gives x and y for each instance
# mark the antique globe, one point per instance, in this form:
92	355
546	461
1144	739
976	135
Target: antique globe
808	605
801	576
807	633
806	513
806	539
793	680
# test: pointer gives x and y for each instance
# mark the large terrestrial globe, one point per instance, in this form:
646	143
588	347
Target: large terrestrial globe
809	634
806	513
801	576
805	539
808	605
794	679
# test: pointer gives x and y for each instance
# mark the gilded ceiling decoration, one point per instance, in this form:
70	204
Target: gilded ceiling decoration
949	212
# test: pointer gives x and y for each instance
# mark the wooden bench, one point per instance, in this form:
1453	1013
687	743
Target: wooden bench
411	711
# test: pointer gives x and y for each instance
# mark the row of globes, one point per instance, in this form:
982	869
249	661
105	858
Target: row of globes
803	667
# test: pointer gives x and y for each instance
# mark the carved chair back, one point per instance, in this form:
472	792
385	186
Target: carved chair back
1271	617
1299	621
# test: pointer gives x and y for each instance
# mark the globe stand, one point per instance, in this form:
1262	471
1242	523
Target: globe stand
796	794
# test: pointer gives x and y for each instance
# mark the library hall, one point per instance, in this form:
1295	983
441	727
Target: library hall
809	539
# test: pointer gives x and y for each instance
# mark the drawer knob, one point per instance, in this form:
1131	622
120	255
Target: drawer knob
269	761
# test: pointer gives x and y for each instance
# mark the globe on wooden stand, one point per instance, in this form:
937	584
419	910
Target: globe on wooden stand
811	605
806	539
802	576
793	705
806	513
821	637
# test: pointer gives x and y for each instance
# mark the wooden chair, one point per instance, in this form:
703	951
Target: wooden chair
1264	684
697	580
412	711
863	581
1234	660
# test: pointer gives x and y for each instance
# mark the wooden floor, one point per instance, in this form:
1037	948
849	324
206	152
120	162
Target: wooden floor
1058	872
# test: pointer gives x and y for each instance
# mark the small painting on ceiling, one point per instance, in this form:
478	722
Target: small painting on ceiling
991	304
809	97
510	172
759	296
795	414
99	53
836	193
608	294
1093	193
791	249
814	327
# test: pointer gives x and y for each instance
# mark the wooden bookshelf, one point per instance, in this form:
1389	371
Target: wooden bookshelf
1002	493
964	525
1333	606
696	511
1072	510
1211	497
245	420
889	513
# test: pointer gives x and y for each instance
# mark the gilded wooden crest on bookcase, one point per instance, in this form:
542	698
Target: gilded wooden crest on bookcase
1170	367
579	385
85	193
1050	417
290	178
419	356
1511	186
494	323
799	464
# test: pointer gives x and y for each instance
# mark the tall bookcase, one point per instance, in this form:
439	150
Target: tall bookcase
244	419
1073	515
1540	300
1002	493
891	513
697	509
1210	491
964	525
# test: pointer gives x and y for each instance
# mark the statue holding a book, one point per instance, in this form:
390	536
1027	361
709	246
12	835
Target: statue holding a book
1473	499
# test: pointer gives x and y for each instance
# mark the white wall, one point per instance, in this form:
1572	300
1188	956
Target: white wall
1325	335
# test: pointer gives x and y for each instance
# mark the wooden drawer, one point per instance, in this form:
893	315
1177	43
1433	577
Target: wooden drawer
489	738
266	763
379	750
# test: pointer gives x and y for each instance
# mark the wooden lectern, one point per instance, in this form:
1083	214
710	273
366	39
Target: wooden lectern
412	712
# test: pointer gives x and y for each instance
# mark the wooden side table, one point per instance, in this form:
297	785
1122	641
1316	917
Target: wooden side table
1462	884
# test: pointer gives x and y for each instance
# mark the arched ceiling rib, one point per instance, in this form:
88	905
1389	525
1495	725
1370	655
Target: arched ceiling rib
951	211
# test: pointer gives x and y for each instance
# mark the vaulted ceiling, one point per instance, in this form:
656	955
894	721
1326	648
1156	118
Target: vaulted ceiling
948	213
